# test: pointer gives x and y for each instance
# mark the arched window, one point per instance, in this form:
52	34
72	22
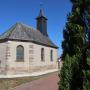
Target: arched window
20	53
42	54
51	55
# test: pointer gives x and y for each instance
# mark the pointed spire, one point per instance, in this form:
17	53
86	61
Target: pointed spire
41	13
42	21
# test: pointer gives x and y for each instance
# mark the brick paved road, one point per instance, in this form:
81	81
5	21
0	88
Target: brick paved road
46	83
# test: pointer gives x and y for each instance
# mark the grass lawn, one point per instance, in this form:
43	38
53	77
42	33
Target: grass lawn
6	84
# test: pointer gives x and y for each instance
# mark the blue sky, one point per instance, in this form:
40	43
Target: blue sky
25	11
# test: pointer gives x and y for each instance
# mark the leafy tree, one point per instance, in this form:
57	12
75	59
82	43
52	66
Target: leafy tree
75	73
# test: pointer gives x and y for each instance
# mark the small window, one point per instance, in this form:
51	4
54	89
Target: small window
42	54
20	53
51	55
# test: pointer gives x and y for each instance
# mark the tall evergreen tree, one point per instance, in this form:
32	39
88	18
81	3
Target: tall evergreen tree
75	73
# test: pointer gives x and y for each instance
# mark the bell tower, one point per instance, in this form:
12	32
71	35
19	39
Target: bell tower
42	23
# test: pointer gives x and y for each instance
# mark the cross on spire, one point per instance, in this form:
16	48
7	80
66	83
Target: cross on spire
41	4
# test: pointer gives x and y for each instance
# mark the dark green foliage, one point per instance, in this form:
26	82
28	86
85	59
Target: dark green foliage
75	73
66	73
86	82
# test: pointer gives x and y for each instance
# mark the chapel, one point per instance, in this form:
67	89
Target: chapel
26	51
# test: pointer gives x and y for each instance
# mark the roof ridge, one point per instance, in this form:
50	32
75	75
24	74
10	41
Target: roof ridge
13	29
8	30
27	26
31	28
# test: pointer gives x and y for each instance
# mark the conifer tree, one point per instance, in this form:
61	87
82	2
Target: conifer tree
75	73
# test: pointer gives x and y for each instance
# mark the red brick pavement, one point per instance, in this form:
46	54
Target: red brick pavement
46	83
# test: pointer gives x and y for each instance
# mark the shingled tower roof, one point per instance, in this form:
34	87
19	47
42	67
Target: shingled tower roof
22	32
41	14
